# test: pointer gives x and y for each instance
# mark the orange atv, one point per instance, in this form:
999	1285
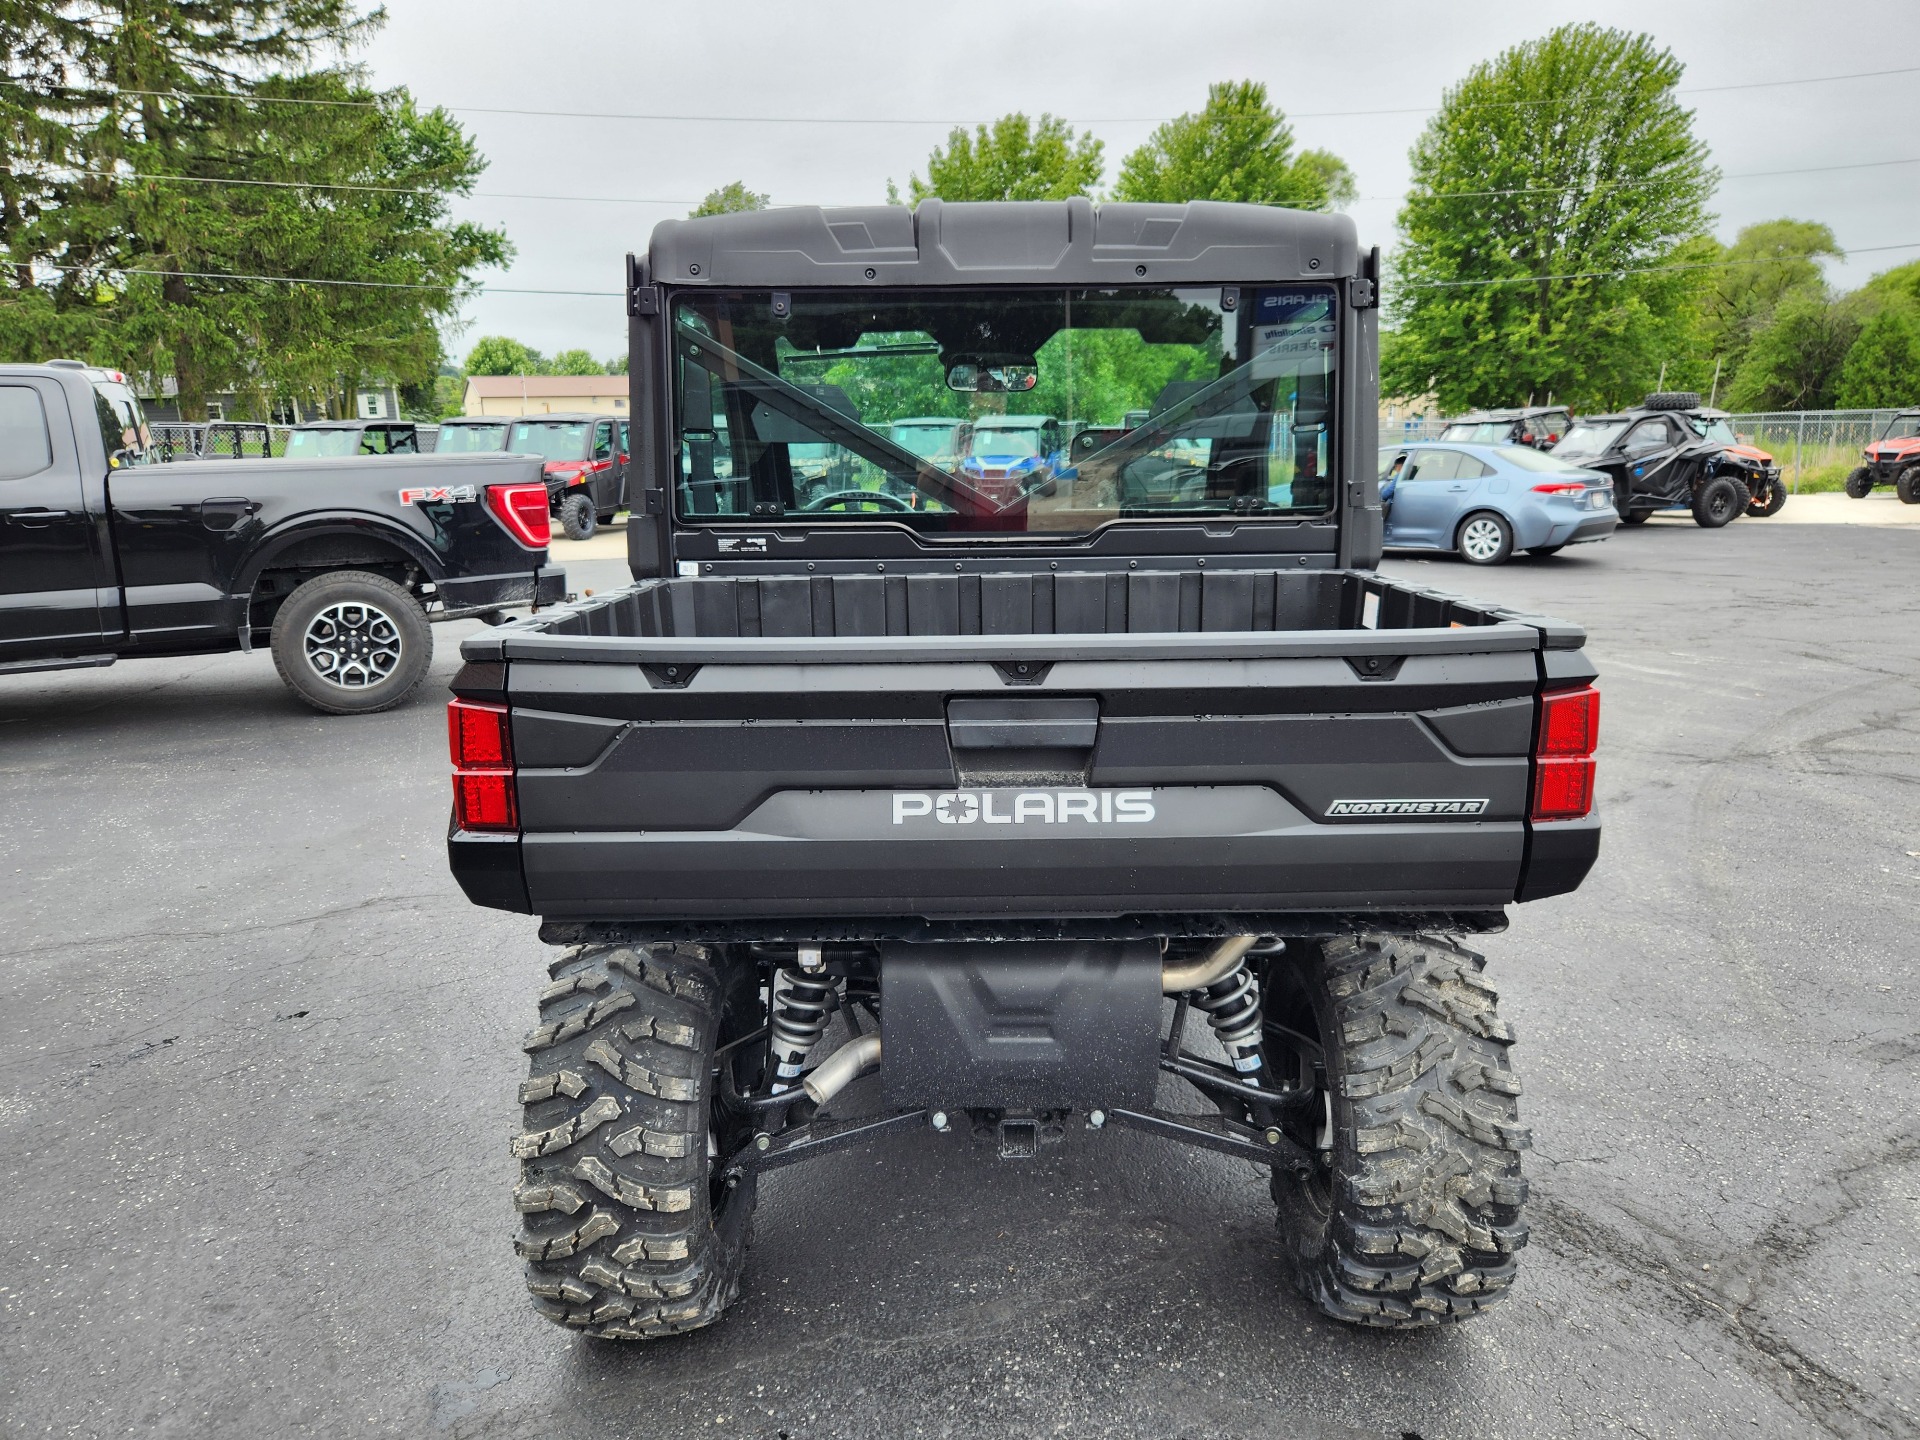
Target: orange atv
1893	459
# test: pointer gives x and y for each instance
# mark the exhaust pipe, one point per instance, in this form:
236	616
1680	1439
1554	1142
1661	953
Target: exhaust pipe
842	1068
1216	964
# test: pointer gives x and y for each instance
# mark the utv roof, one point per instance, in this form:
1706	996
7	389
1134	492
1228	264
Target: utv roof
1517	412
349	424
1052	242
559	417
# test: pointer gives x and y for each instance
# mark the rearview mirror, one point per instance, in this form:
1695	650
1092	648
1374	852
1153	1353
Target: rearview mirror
993	374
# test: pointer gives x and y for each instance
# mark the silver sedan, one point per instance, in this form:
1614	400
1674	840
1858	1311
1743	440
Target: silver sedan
1486	501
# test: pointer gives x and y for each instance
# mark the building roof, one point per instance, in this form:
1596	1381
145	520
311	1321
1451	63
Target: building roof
545	387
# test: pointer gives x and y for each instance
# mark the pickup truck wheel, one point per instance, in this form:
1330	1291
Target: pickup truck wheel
629	1232
577	517
1412	1216
1718	501
1860	483
351	643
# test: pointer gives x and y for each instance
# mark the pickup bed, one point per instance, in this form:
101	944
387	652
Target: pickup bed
336	565
995	755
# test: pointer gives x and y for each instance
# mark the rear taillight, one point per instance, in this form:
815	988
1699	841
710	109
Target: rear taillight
480	742
1560	487
523	510
1563	765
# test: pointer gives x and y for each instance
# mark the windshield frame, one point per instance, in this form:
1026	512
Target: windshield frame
1308	317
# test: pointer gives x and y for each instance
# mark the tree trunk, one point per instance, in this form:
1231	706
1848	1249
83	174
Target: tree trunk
189	376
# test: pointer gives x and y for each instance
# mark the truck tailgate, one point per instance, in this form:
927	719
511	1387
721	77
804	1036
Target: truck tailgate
752	778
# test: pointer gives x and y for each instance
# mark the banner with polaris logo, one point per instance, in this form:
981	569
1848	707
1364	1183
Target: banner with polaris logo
1025	807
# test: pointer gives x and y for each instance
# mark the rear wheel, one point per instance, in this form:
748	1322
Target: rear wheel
1636	517
1907	487
351	643
1717	501
577	518
631	1232
1484	539
1860	482
1410	1214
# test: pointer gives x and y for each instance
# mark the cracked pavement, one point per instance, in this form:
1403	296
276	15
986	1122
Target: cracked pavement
259	1078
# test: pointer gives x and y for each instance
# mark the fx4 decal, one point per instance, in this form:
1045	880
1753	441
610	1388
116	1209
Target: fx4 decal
438	494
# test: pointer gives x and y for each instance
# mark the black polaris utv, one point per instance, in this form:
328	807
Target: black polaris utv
1673	453
1130	803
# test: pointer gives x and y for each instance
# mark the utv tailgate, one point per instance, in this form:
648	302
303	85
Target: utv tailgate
670	773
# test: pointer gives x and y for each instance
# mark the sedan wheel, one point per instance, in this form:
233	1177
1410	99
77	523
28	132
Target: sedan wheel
1485	539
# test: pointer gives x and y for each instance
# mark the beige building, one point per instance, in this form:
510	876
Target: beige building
545	394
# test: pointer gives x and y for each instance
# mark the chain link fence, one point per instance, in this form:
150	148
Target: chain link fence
239	440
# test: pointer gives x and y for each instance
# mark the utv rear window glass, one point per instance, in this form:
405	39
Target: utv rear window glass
468	439
1481	432
24	446
1590	441
1008	410
552	439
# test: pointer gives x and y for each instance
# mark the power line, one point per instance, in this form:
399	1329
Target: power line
1631	270
617	294
640	200
916	120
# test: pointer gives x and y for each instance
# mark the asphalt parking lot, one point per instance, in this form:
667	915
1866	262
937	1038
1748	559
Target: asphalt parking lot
259	1069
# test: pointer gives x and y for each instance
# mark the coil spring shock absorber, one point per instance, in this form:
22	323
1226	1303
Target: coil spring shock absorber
802	1003
1232	1004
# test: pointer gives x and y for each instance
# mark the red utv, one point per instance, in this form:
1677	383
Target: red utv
1893	459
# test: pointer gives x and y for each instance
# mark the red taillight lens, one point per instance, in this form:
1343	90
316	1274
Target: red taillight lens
1563	768
1569	722
1560	487
523	510
480	740
479	736
1563	789
483	800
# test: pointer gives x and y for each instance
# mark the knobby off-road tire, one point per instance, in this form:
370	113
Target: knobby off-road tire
1717	502
351	643
628	1235
1672	400
1413	1218
1907	486
1860	482
577	517
1774	501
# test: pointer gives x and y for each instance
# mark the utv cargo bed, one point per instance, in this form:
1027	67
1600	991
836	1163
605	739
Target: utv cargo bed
1094	755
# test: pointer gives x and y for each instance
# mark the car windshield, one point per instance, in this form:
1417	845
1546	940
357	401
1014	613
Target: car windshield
1479	432
1177	404
1005	442
322	444
929	442
551	439
1589	439
1715	429
1525	457
465	439
1902	427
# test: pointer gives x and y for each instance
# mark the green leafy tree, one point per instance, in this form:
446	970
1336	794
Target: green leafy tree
730	197
1239	147
1552	184
574	362
1765	261
1882	368
1013	159
1902	283
503	355
1794	360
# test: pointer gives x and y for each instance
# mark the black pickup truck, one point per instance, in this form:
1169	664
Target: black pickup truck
337	565
1050	807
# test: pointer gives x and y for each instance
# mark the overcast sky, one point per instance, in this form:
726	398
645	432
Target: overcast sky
1116	67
